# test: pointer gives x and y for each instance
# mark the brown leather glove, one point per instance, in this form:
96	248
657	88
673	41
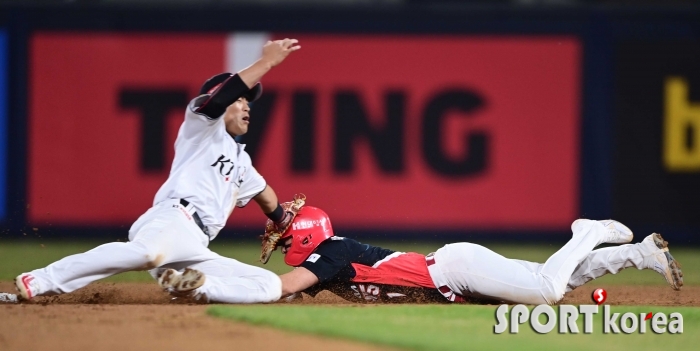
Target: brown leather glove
286	220
275	231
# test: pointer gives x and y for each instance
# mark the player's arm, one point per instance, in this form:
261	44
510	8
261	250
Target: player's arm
269	204
267	200
215	103
297	280
235	86
255	187
274	52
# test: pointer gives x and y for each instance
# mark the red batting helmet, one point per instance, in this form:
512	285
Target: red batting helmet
309	229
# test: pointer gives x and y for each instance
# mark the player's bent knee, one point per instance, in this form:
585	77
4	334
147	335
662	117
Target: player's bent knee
146	258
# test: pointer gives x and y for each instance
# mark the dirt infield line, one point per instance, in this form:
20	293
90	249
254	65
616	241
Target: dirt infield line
150	294
138	316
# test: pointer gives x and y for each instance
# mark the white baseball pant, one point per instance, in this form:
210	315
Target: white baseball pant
165	236
609	260
474	270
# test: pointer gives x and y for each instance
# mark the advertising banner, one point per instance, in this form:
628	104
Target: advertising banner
657	162
383	132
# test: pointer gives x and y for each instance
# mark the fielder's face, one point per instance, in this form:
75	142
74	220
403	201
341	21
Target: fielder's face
237	117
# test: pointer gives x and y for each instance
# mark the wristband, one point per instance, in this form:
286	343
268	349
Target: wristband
277	215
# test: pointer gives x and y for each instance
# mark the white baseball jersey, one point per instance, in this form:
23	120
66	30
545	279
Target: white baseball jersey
213	174
210	170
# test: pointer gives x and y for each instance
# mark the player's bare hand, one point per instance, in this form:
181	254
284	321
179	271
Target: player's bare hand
274	52
296	297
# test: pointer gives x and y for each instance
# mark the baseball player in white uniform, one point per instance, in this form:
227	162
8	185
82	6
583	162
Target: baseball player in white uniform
211	173
457	272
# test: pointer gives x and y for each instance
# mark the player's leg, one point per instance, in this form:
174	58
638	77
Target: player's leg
587	234
160	236
652	253
475	270
531	266
226	281
76	271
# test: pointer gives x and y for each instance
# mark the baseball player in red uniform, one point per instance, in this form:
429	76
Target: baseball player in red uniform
461	271
210	175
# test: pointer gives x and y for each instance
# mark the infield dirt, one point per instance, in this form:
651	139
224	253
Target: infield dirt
138	316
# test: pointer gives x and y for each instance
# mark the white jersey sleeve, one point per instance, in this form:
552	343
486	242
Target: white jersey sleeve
252	183
198	126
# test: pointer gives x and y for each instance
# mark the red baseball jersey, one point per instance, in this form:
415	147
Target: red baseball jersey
399	268
364	273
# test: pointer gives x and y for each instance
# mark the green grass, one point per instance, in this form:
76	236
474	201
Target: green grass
455	327
431	327
21	256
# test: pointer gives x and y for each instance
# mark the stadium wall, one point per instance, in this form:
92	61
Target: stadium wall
518	120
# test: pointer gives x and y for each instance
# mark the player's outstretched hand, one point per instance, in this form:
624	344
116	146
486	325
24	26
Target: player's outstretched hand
296	297
274	52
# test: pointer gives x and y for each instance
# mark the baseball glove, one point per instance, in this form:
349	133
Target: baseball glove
273	233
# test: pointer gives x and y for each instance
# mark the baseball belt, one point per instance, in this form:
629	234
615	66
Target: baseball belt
197	219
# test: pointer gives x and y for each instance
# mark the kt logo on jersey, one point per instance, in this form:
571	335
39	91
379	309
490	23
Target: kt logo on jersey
226	166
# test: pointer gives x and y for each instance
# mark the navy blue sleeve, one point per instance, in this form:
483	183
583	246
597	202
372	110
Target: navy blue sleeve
329	258
334	256
369	255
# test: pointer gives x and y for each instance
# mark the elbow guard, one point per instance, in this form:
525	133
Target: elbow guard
224	89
